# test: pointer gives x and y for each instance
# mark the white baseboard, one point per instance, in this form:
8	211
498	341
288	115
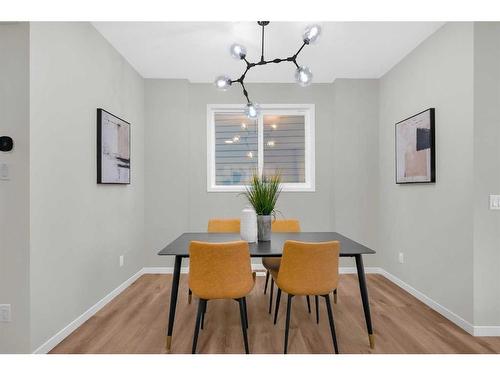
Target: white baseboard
168	270
162	270
255	267
259	269
66	331
349	270
448	314
486	331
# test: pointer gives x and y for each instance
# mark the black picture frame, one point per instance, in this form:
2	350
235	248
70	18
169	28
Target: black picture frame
424	140
102	180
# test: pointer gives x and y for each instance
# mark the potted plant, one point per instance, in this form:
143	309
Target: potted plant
263	193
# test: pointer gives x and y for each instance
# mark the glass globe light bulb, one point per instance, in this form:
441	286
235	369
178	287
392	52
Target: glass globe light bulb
303	76
252	110
311	34
222	82
238	51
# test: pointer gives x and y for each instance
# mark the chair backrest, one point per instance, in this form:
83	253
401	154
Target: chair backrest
233	225
285	225
224	226
220	270
309	268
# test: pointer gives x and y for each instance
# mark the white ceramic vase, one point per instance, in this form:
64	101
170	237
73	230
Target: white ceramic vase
248	225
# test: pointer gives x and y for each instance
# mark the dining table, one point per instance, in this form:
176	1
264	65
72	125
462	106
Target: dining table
179	248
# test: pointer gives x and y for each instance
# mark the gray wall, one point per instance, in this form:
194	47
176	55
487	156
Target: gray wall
486	173
14	194
311	208
432	223
78	228
355	161
177	147
167	168
346	196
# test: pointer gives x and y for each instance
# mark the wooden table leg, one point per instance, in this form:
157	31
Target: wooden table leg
364	297
173	300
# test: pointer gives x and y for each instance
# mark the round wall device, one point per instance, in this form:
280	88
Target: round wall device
6	143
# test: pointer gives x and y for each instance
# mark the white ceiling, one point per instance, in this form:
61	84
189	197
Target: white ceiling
199	51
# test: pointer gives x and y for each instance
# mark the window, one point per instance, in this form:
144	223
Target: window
280	140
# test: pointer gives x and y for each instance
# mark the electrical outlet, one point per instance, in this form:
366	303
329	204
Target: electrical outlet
494	202
4	172
121	260
5	314
401	258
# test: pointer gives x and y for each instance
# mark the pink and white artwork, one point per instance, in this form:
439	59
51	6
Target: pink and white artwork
415	149
113	149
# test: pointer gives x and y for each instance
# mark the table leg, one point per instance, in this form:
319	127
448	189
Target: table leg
173	300
364	297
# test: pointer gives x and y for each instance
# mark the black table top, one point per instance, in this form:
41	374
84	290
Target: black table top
348	247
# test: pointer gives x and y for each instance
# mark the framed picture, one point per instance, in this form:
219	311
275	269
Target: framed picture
416	149
113	149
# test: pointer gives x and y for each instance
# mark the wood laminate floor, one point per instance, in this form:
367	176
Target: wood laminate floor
135	322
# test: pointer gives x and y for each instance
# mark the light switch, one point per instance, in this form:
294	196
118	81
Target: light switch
5	313
4	171
494	202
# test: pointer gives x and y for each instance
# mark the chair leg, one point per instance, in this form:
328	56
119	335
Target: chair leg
287	325
243	324
308	304
332	324
335	296
190	296
201	305
267	279
203	314
271	296
246	310
277	307
317	309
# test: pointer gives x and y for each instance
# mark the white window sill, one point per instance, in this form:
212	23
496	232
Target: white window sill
240	189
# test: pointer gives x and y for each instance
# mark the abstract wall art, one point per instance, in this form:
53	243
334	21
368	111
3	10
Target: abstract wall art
415	149
113	149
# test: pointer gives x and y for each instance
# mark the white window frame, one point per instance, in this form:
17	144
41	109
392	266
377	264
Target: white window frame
265	109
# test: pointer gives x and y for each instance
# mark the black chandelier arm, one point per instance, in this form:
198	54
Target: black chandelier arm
300	49
250	65
245	93
274	61
262	52
262	61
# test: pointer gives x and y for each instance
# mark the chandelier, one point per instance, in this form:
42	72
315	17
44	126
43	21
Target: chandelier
303	75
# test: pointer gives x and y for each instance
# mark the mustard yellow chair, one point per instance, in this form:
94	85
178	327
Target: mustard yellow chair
273	263
224	226
220	226
269	263
308	269
220	271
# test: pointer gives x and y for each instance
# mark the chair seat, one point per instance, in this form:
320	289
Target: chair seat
271	263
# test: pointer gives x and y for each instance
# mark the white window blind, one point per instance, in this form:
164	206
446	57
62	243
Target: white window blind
284	147
235	148
280	140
